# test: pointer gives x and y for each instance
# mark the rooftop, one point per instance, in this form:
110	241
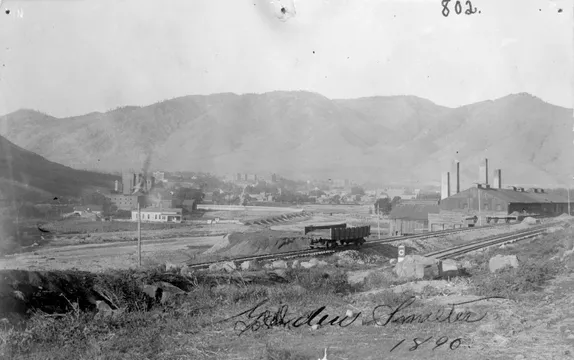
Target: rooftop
414	211
161	210
514	196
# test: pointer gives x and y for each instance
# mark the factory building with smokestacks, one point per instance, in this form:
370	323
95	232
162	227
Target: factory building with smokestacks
488	202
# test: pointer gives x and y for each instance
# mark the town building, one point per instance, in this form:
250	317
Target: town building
161	198
153	214
126	202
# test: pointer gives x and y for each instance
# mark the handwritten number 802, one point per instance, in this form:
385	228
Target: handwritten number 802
458	8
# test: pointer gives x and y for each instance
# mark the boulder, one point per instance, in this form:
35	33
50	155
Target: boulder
449	268
153	292
250	265
295	264
228	266
318	263
307	265
280	264
169	291
413	266
280	272
170	266
358	277
531	221
185	271
499	262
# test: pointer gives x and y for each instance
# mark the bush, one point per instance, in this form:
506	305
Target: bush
511	282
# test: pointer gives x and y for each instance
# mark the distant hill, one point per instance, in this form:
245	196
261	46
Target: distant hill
25	175
301	134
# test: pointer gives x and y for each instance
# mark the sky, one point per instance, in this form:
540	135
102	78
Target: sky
71	57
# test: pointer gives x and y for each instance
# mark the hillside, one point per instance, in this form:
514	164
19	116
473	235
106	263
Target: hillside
303	134
26	175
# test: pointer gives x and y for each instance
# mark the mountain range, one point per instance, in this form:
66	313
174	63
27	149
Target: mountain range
304	135
25	175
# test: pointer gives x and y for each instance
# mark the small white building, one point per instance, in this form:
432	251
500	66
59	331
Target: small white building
153	214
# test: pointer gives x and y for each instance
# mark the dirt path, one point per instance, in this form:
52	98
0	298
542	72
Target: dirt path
98	257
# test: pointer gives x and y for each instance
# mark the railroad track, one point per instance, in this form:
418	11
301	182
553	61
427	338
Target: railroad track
433	234
318	252
458	251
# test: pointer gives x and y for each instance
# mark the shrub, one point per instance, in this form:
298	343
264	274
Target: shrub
511	282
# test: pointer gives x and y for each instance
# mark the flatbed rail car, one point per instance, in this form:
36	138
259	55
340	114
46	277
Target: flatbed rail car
338	236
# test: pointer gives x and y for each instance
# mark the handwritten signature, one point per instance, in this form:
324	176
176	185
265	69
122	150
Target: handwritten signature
267	319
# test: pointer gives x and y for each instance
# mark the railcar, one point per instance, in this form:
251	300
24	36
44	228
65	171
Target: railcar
331	236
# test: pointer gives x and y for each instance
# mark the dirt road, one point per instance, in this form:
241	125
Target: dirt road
99	257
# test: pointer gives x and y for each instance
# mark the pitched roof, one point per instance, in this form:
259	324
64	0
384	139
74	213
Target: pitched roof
413	211
188	202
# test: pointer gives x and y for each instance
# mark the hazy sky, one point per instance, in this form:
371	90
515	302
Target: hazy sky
69	57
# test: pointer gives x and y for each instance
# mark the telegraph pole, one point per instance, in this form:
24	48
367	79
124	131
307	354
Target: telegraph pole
139	234
378	220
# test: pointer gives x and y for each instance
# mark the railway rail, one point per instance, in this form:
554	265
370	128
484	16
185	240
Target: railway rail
458	251
317	252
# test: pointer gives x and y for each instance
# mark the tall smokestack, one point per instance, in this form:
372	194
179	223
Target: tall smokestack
483	172
116	186
445	186
497	179
456	189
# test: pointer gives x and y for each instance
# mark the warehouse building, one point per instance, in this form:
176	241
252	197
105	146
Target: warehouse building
483	203
411	217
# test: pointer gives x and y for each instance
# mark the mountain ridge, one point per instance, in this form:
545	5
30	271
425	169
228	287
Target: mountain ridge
304	134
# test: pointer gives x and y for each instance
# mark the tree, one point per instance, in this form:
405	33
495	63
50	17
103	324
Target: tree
396	200
184	193
357	190
383	205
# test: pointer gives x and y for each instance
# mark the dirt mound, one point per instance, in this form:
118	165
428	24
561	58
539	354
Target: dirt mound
262	242
221	244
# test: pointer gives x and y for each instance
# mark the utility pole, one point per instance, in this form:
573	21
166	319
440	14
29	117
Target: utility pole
139	234
479	217
569	200
378	221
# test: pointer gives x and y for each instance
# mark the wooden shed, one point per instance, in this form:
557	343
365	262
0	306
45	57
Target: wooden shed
412	218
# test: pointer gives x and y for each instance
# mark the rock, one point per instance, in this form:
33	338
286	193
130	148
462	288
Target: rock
449	268
295	264
280	272
185	271
268	266
250	265
103	308
466	264
307	265
314	327
499	262
170	266
393	261
279	264
153	292
531	221
413	266
228	266
169	291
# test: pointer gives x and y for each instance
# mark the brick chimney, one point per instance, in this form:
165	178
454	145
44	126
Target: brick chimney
497	179
483	172
445	186
456	189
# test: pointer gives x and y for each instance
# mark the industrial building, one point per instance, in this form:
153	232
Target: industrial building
483	203
411	217
126	202
153	214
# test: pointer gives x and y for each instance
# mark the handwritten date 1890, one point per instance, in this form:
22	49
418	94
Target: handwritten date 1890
441	341
458	8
